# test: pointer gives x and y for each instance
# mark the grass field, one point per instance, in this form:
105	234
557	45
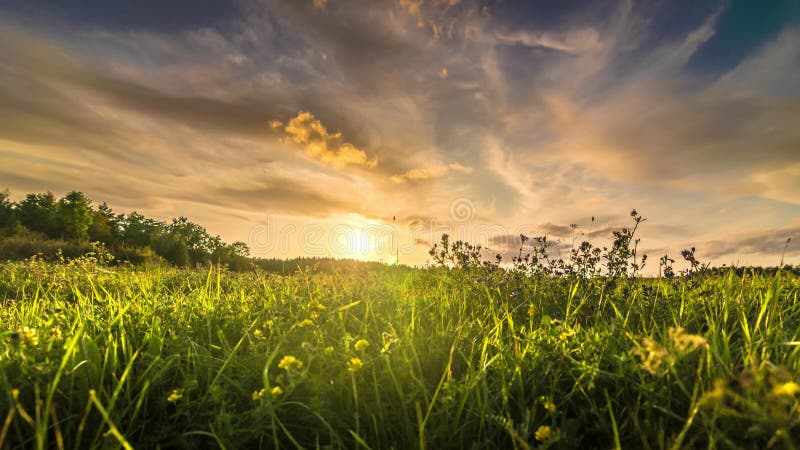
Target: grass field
391	357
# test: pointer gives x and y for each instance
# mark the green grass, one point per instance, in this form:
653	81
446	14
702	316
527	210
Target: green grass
169	358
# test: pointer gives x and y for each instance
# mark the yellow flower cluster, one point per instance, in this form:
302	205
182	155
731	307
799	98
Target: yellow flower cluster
716	394
361	344
652	354
789	389
655	356
55	335
289	363
314	304
176	395
276	391
305	323
28	336
543	433
548	404
684	342
354	364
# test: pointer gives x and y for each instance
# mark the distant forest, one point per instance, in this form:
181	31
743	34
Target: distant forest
69	227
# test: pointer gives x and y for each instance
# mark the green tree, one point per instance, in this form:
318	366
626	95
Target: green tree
74	216
235	255
37	212
201	245
8	216
172	248
105	225
240	248
139	231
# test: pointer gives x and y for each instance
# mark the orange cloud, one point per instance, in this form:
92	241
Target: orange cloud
430	172
307	131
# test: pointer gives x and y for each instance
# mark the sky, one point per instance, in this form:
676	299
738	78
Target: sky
362	129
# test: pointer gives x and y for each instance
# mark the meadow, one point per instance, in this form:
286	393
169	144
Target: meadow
100	356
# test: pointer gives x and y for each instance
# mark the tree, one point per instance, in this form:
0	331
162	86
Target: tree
139	231
235	255
74	216
173	249
105	225
200	244
240	249
37	212
8	216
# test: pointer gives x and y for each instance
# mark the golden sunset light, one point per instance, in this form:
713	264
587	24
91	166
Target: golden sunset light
400	224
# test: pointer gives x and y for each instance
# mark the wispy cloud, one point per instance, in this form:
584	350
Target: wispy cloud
427	173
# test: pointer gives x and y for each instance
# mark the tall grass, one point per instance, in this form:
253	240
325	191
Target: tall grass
388	357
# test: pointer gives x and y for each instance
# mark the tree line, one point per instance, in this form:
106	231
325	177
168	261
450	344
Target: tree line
40	223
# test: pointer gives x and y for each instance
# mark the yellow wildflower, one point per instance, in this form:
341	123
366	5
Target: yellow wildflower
653	355
314	304
305	323
176	395
289	362
276	391
258	394
269	323
361	344
716	394
258	334
328	351
789	389
354	364
684	342
566	333
28	336
542	433
548	404
55	335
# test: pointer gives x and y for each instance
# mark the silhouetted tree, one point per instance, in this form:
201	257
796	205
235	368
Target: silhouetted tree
8	218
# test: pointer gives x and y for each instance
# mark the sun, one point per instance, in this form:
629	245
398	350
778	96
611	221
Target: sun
364	239
362	244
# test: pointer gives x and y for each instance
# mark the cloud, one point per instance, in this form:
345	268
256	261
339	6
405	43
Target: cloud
769	242
574	42
281	196
423	242
662	127
506	241
428	173
549	228
308	132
